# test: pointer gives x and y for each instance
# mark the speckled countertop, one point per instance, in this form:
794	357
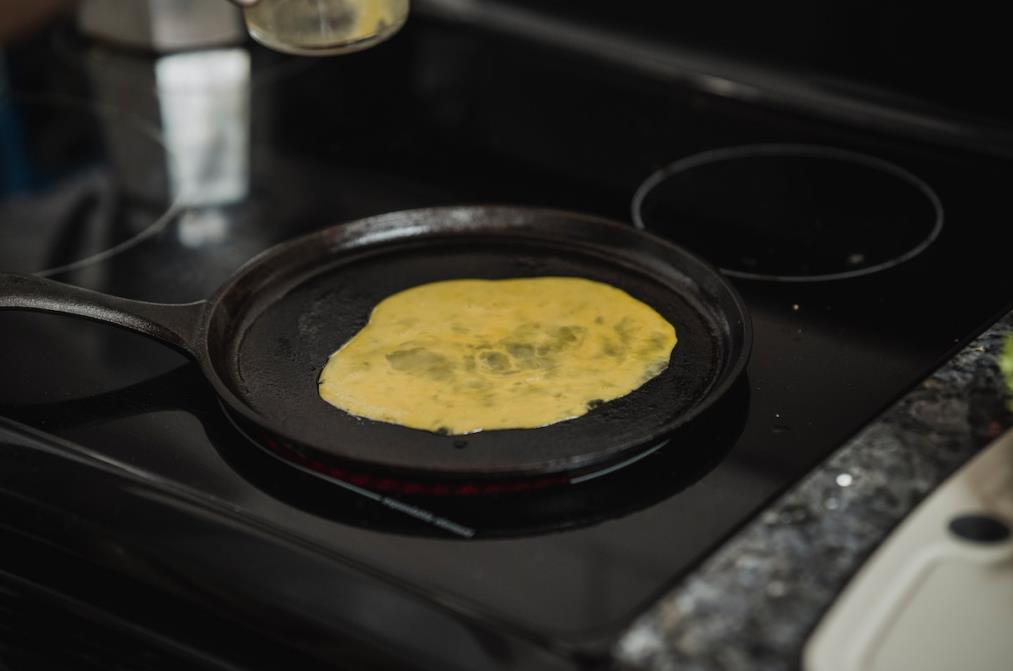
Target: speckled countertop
753	604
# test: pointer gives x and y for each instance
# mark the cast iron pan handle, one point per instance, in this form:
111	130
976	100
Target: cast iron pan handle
173	324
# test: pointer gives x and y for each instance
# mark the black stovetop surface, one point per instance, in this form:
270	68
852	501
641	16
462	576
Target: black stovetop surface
440	115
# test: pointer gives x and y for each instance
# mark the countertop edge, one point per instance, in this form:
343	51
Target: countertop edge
754	602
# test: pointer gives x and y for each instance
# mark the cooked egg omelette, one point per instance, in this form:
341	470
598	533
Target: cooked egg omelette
462	356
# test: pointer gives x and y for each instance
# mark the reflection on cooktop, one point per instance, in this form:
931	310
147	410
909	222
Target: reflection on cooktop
72	192
82	54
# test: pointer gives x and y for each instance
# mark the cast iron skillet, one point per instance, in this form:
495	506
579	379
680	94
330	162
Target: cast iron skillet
265	335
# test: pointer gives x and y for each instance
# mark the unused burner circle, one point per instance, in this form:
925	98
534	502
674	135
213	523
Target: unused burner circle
791	213
79	184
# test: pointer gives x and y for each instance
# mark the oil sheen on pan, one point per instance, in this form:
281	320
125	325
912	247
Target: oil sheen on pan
462	356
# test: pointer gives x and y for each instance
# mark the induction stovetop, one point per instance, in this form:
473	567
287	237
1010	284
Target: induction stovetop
154	178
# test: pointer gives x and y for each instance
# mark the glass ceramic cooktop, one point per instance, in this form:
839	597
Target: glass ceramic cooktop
233	162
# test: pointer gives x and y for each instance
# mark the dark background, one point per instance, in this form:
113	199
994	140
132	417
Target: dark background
950	55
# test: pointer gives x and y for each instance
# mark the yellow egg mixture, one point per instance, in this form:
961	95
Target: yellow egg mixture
462	356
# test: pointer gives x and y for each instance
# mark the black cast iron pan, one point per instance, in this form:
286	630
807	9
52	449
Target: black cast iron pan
265	335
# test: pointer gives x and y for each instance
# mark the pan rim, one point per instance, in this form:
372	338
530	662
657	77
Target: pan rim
363	233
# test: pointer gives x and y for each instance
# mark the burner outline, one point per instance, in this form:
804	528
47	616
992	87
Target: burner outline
798	150
172	209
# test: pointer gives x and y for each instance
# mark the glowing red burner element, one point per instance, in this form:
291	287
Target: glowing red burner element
391	485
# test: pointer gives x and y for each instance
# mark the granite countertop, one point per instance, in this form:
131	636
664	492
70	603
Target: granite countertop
753	604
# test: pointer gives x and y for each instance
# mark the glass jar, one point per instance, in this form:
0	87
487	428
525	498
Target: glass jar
324	27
